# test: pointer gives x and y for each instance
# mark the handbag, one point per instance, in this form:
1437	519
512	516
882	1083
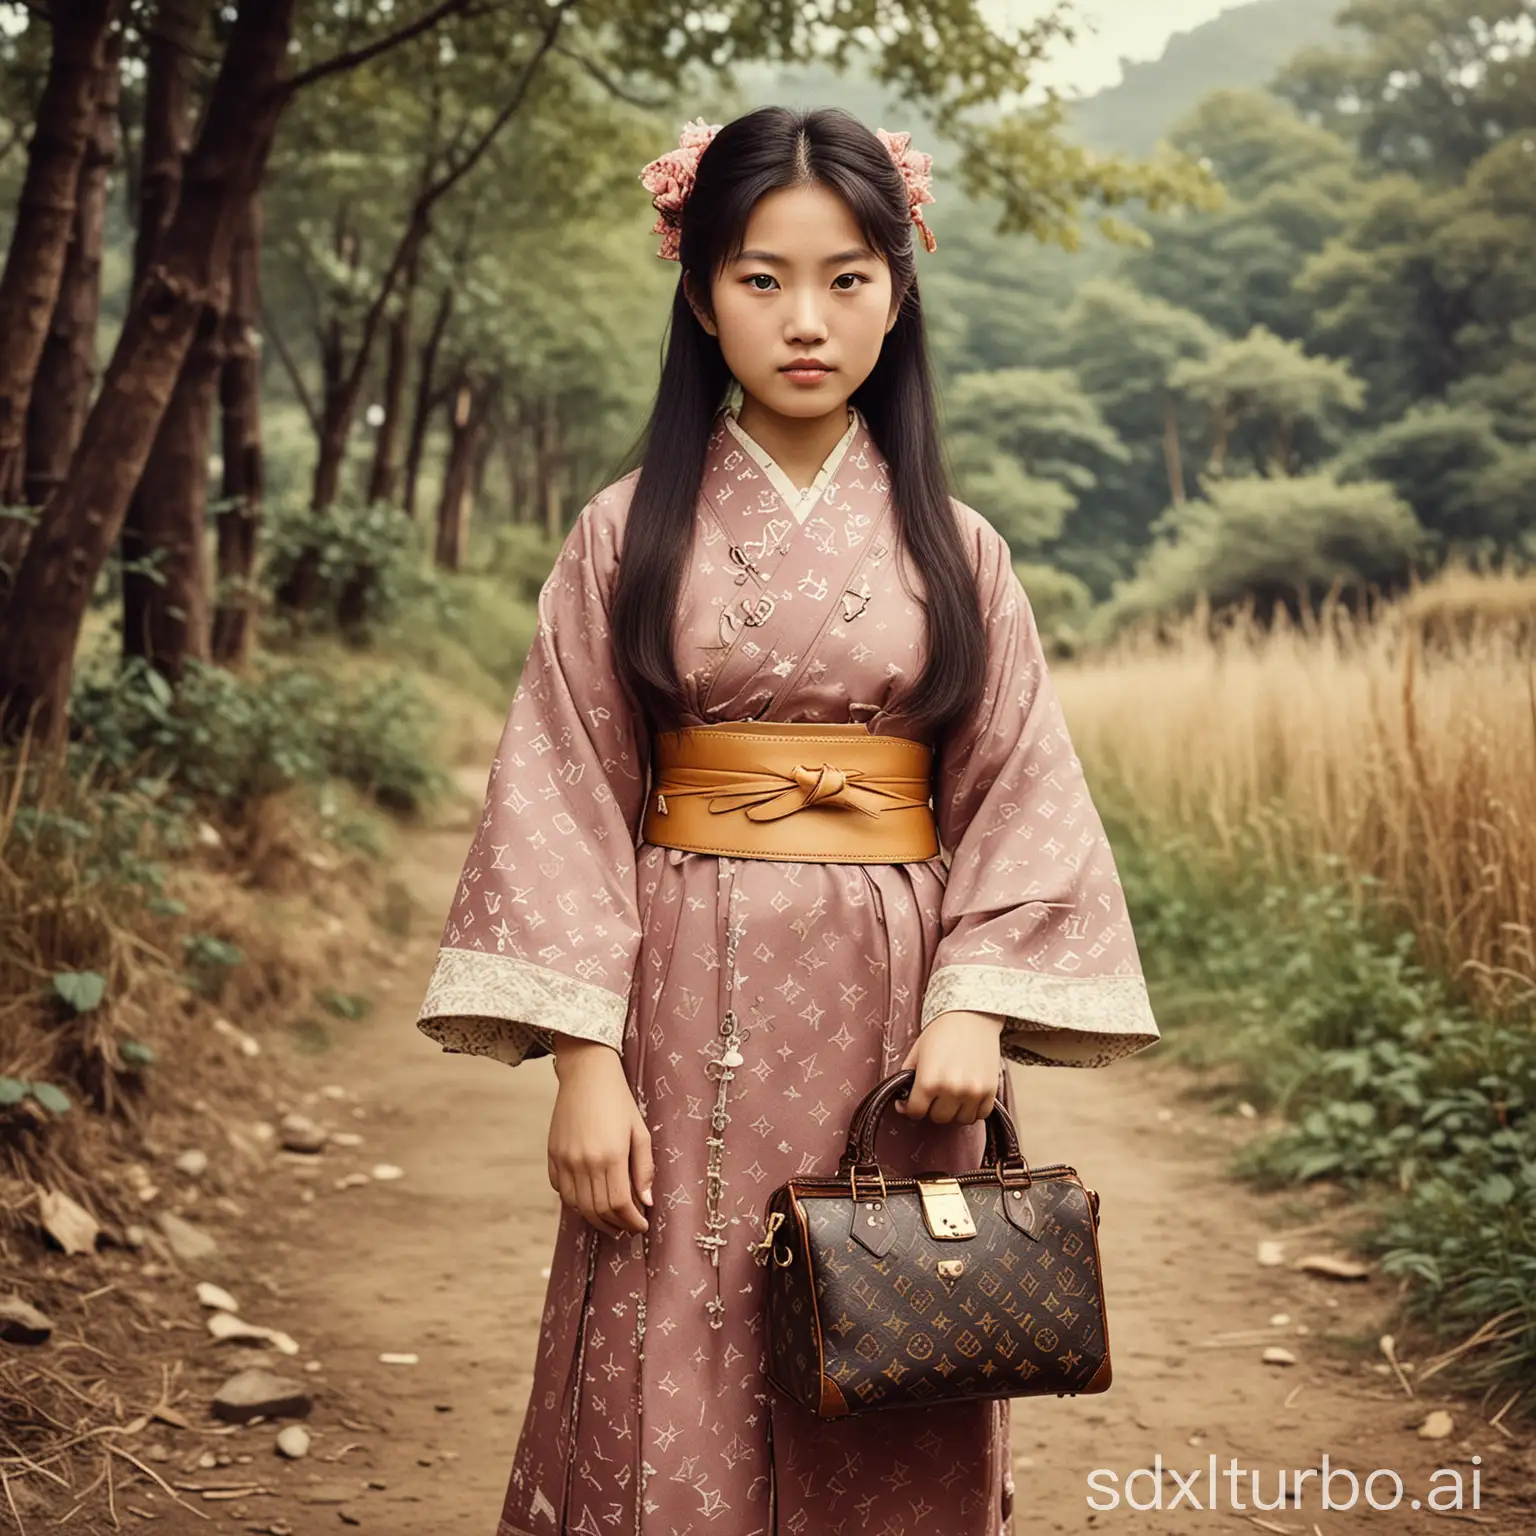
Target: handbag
939	1287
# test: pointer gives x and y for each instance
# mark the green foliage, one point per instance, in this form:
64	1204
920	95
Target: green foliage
345	1005
359	562
1022	442
14	1091
209	960
1274	389
1308	1002
1426	85
1059	601
80	991
1286	541
226	741
1449	464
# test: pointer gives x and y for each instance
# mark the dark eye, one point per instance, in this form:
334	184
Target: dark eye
764	277
857	280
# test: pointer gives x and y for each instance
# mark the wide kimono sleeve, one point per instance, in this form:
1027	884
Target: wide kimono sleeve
1034	920
543	933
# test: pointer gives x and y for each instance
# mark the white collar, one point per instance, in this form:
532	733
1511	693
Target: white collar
800	501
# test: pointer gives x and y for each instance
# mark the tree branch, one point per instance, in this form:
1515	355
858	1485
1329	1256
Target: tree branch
416	230
411	30
291	368
609	84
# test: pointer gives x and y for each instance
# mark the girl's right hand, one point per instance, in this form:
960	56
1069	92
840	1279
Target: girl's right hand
599	1144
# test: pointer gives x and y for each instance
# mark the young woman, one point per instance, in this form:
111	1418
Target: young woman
708	878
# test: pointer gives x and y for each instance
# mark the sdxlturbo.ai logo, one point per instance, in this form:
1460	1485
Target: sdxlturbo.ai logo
1245	1489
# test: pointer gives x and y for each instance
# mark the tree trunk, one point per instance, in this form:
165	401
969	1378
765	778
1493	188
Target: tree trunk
466	424
167	123
41	625
335	405
421	416
165	609
244	474
67	370
165	587
45	217
386	470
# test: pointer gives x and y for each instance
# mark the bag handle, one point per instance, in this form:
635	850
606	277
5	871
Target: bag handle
1002	1138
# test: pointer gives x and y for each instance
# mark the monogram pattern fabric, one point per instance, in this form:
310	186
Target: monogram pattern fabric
650	1413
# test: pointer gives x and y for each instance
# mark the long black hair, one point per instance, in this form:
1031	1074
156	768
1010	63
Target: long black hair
756	154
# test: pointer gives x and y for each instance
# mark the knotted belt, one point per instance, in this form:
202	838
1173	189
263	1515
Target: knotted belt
765	790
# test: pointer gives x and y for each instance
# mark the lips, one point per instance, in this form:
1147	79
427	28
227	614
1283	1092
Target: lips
805	370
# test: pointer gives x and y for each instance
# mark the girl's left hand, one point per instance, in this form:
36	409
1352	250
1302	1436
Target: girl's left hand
958	1059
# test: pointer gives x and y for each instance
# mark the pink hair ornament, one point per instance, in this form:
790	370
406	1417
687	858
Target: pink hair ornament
669	179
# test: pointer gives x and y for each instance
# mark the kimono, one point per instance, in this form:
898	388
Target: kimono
649	1414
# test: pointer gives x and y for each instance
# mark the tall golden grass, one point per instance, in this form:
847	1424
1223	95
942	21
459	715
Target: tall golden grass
1401	745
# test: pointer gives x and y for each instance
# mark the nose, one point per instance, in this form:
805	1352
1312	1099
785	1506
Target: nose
806	323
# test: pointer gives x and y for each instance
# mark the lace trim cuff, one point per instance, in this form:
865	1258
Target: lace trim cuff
1055	1021
509	1010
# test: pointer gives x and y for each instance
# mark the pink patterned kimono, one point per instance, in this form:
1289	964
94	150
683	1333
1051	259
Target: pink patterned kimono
649	1414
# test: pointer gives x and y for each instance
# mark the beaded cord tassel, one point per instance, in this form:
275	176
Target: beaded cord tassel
722	1069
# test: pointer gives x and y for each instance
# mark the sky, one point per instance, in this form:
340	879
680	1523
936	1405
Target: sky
1109	30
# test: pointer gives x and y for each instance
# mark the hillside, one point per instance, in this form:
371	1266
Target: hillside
1242	47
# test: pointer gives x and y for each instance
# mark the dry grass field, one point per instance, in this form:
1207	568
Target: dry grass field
1402	746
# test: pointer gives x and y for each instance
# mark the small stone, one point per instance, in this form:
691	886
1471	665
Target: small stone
346	1139
1275	1355
399	1359
208	835
300	1134
387	1171
210	1295
1334	1269
190	1244
247	1045
257	1393
1437	1425
22	1323
1271	1253
193	1163
293	1441
225	1325
1247	1111
352	1180
70	1225
1280	1319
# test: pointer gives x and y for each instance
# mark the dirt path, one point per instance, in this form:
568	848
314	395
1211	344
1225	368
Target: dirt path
449	1261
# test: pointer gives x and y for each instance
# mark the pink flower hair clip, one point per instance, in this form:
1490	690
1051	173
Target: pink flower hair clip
669	179
917	172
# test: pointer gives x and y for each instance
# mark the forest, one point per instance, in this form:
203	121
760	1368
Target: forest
320	321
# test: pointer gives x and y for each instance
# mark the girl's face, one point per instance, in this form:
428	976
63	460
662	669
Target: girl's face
805	288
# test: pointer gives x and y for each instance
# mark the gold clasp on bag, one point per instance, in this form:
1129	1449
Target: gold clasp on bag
761	1249
944	1208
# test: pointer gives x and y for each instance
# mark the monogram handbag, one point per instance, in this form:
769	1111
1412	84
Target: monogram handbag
904	1292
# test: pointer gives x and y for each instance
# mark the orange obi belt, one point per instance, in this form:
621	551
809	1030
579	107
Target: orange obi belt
766	790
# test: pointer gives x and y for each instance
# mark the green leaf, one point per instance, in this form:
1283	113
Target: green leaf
12	1090
158	686
82	990
50	1098
135	1054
